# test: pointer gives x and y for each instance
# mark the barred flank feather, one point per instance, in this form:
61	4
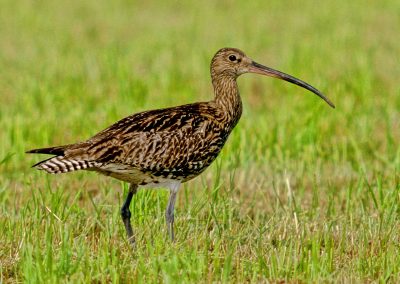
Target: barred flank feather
60	164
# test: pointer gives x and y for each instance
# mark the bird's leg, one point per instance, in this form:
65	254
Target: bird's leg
169	213
126	213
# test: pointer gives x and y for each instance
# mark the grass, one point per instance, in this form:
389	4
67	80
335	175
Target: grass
300	193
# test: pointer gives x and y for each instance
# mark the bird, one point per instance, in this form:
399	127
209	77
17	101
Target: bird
169	146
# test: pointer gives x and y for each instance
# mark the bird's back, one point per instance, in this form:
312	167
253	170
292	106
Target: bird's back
172	143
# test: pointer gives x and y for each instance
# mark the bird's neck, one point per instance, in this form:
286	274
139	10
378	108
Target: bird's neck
228	99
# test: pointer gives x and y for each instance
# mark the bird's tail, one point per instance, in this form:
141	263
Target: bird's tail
59	150
60	163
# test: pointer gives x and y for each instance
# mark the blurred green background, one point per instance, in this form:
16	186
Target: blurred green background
300	193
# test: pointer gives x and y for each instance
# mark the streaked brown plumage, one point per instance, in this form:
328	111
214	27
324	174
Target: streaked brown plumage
166	147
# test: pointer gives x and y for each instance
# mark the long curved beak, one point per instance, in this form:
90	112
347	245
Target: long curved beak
264	70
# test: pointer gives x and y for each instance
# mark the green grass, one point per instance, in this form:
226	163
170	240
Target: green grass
300	193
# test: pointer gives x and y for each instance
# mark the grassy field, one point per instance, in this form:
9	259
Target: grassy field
301	192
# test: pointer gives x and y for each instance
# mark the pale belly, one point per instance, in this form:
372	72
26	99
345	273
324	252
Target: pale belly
135	176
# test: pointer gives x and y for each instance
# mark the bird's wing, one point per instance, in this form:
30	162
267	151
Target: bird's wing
177	140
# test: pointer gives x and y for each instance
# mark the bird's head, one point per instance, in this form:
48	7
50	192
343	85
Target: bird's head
232	62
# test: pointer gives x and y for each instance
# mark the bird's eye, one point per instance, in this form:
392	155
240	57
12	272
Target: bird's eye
232	57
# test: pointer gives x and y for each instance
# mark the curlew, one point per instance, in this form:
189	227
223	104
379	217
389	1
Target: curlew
166	147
